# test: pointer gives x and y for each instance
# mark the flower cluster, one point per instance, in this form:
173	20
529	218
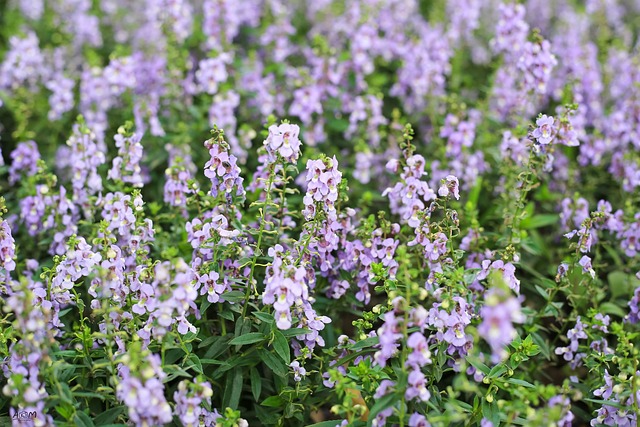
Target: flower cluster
408	197
7	249
222	168
189	399
283	141
498	315
141	389
126	165
461	220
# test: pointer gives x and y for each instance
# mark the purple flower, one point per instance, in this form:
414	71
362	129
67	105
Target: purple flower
298	371
24	161
126	165
7	248
418	420
511	29
498	315
570	353
417	386
545	132
189	399
567	415
389	336
449	187
142	391
283	140
181	169
23	63
585	262
420	355
384	388
222	169
536	63
634	307
213	71
508	271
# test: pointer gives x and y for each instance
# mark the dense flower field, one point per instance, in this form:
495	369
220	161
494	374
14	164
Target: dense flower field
327	212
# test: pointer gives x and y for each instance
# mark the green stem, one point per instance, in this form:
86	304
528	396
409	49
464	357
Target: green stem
257	252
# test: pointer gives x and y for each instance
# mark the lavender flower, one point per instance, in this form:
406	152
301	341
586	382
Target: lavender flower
142	391
24	161
545	132
571	353
189	399
222	169
298	371
498	315
126	166
449	187
536	63
7	249
283	140
85	157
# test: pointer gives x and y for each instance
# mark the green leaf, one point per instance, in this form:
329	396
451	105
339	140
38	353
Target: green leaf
219	347
541	220
523	383
611	308
194	363
83	420
621	284
273	402
233	296
542	292
89	395
606	402
109	416
274	363
497	371
367	342
264	317
233	390
474	195
281	346
213	362
476	363
256	383
294	332
490	411
250	338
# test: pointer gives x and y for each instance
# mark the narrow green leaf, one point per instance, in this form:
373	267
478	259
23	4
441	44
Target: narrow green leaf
541	220
611	308
256	383
233	296
476	363
367	342
83	420
497	371
194	363
273	402
274	363
250	338
523	383
109	416
264	317
490	411
233	390
281	346
294	332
